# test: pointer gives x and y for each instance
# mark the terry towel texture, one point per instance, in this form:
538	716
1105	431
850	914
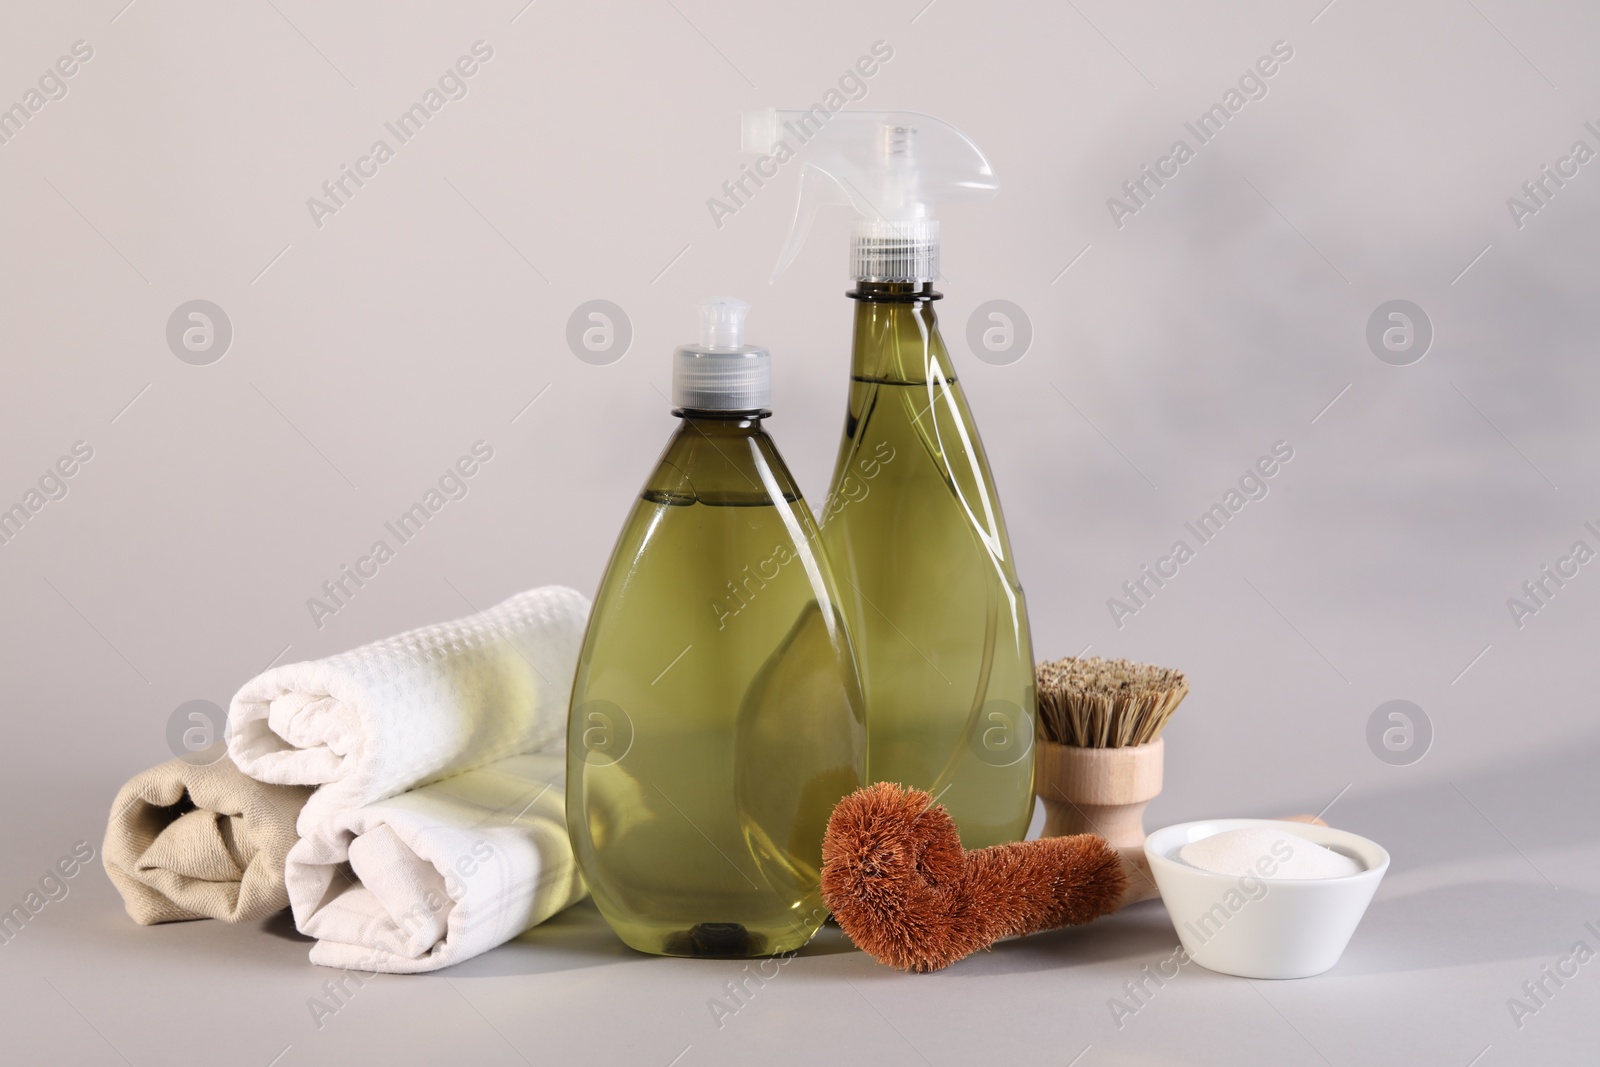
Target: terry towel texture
441	873
201	842
373	722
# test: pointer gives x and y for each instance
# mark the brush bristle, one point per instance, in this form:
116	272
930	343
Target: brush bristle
1106	703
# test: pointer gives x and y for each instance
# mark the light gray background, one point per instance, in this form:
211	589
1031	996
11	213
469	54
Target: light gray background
1226	315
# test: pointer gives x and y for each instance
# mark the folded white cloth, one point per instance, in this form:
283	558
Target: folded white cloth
441	873
398	713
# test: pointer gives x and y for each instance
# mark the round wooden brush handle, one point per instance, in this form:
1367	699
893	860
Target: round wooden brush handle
1098	790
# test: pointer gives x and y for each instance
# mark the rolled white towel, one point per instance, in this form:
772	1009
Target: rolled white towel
412	709
441	874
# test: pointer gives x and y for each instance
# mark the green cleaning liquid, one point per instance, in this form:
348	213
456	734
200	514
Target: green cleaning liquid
912	524
913	528
716	714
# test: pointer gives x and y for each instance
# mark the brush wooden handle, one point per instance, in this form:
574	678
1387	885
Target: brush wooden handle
1098	790
1141	884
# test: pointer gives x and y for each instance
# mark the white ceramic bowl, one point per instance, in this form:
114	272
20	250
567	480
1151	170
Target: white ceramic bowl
1263	927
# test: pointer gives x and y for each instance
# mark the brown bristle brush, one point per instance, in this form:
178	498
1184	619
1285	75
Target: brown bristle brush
1106	703
901	887
1099	758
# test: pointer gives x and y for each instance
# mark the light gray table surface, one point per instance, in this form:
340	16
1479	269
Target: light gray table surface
1464	917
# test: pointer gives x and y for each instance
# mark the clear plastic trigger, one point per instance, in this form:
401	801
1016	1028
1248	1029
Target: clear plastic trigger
818	189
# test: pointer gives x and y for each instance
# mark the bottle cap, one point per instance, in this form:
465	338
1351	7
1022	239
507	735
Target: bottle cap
721	372
884	250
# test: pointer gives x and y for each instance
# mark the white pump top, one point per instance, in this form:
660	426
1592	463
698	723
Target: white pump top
722	373
891	167
722	322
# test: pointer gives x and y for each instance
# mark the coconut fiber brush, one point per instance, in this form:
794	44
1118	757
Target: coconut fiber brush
899	885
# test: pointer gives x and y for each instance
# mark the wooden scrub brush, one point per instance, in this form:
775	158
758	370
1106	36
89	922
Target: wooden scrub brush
1099	758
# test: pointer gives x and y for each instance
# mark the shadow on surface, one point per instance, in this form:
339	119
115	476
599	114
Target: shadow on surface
579	937
1469	923
1538	800
282	925
1141	932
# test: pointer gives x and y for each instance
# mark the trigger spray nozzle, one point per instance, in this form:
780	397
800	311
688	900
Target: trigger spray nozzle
892	168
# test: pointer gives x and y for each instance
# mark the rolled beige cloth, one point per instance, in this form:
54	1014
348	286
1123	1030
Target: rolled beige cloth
194	840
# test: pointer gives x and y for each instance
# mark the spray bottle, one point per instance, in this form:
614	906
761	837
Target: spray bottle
912	523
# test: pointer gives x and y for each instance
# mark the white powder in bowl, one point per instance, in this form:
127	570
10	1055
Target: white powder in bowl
1266	853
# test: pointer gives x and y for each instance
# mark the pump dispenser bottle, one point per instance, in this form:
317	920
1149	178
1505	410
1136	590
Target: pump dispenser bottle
716	715
912	523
